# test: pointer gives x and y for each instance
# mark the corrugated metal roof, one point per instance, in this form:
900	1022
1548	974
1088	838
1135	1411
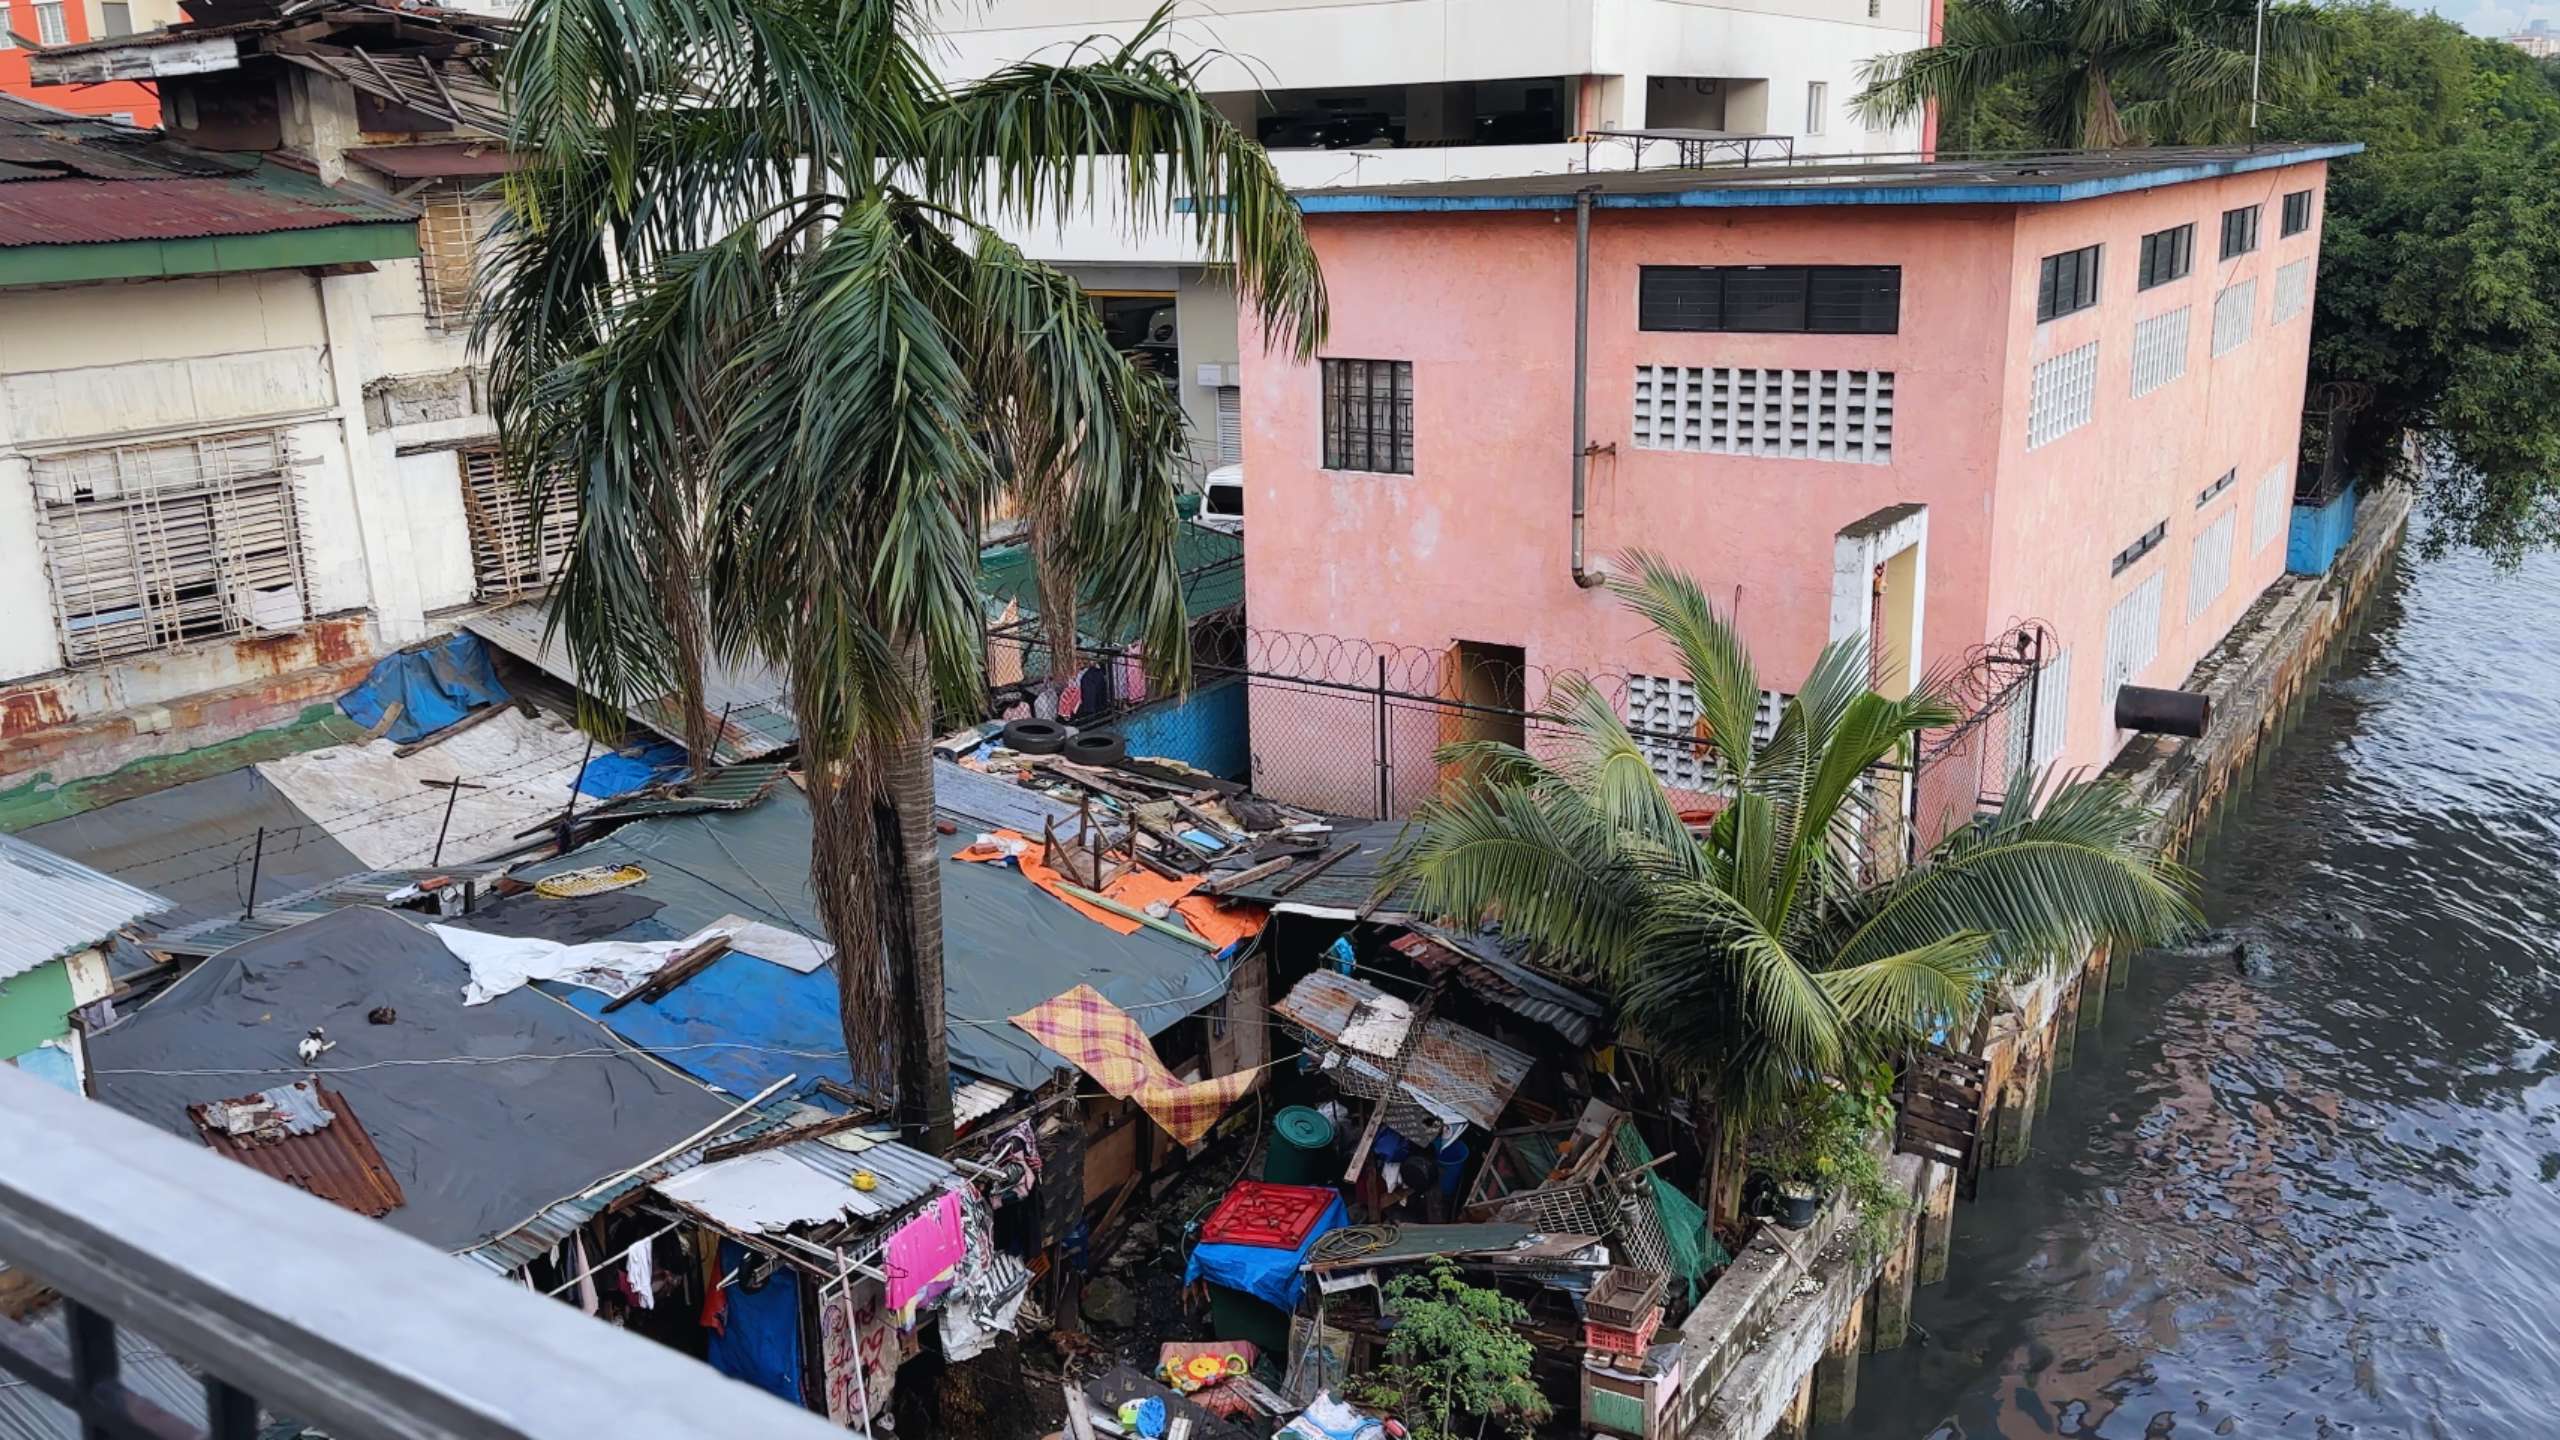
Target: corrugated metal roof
367	887
89	212
731	787
1452	1069
748	701
1499	970
1349	884
455	90
312	1141
27	1413
51	907
807	1182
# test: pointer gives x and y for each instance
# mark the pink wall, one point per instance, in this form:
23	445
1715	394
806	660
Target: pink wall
1475	544
2066	508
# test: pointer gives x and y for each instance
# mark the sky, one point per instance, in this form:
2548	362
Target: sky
2496	17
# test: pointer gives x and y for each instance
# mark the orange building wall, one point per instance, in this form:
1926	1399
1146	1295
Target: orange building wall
122	97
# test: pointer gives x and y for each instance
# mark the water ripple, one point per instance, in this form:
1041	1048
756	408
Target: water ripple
2322	1198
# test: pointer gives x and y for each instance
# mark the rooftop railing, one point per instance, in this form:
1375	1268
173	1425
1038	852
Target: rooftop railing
290	1307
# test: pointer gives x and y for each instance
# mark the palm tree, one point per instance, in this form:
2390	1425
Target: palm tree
2099	74
746	299
1767	953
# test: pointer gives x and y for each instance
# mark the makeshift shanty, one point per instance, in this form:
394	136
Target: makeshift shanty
1433	1075
482	1115
59	920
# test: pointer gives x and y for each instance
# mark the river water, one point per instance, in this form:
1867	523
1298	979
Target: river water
2316	1191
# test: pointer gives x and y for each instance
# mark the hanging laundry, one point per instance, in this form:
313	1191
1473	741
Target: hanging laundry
922	1255
639	1277
587	1299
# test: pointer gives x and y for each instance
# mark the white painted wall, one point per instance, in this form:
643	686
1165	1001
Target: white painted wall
439	533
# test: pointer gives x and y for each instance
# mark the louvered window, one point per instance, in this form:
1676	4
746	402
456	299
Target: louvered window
2167	255
2067	283
1230	425
2239	231
152	546
2209	564
2133	637
1844	415
2271	511
2039	718
2233	310
1368	416
449	236
516	549
1771	299
2293	291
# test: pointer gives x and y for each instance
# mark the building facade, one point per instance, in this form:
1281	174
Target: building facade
1390	91
1918	405
242	451
49	23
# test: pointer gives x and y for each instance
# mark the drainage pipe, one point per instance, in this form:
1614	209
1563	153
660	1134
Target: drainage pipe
1582	575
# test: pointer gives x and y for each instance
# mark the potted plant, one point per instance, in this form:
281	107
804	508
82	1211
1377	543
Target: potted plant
1799	1201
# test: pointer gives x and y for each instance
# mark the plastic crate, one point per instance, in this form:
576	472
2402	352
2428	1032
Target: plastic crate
1276	1217
1623	1297
1622	1340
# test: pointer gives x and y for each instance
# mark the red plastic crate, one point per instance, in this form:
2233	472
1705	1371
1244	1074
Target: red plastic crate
1276	1217
1617	1341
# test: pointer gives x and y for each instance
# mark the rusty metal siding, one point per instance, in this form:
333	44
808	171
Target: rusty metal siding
332	1158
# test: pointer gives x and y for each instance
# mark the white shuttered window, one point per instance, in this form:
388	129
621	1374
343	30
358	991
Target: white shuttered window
2272	511
155	545
1230	425
2209	564
2133	637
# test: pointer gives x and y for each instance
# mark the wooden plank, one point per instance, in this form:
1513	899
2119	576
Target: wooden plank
1237	879
1295	882
680	967
476	718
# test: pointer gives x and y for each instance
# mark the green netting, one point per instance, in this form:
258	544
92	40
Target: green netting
1692	1246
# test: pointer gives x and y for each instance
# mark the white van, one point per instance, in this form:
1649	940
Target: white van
1222	500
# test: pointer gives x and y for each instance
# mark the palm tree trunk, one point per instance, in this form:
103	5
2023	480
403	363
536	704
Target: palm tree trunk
1057	584
2102	128
910	874
679	598
844	872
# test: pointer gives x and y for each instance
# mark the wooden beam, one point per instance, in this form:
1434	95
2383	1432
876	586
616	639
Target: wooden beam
1291	885
680	967
1238	879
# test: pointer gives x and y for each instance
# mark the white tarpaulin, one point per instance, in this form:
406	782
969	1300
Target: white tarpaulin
500	963
369	799
768	1191
787	948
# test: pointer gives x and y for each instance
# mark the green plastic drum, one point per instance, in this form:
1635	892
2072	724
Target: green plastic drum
1301	1148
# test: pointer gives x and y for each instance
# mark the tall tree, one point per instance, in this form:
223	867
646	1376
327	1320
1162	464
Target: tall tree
1767	953
2099	74
747	280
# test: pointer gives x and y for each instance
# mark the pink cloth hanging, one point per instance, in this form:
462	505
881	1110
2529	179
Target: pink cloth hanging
924	1253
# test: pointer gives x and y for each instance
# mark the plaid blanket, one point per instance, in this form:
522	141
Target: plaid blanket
1099	1038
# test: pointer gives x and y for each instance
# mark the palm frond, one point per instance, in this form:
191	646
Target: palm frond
1719	664
1549	867
1907	996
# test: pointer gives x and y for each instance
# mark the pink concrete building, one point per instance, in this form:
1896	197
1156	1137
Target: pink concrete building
1921	403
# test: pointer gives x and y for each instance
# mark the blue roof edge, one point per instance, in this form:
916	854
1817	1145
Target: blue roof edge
1386	201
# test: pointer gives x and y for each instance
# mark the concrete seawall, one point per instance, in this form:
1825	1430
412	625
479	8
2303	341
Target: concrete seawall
1774	1346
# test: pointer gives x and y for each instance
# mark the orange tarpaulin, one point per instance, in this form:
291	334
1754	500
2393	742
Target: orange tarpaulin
1137	889
1099	1038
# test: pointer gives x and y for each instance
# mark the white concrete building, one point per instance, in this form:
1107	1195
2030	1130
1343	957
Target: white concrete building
1380	91
242	447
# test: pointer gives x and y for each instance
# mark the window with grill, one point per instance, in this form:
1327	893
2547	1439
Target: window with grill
2160	349
1771	299
2239	231
2168	255
51	25
1230	425
1668	705
449	236
2232	312
2221	482
1368	416
2297	213
157	545
1842	415
2293	291
2209	564
2133	637
2062	395
2068	283
516	548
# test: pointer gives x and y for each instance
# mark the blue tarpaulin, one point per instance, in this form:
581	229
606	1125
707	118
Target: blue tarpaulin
760	1339
608	775
434	685
1262	1271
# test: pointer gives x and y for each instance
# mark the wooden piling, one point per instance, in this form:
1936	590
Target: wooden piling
1937	1223
1889	1301
1835	1375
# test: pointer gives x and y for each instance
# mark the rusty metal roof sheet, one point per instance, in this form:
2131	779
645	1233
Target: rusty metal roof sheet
1452	1071
1499	970
51	907
305	1135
